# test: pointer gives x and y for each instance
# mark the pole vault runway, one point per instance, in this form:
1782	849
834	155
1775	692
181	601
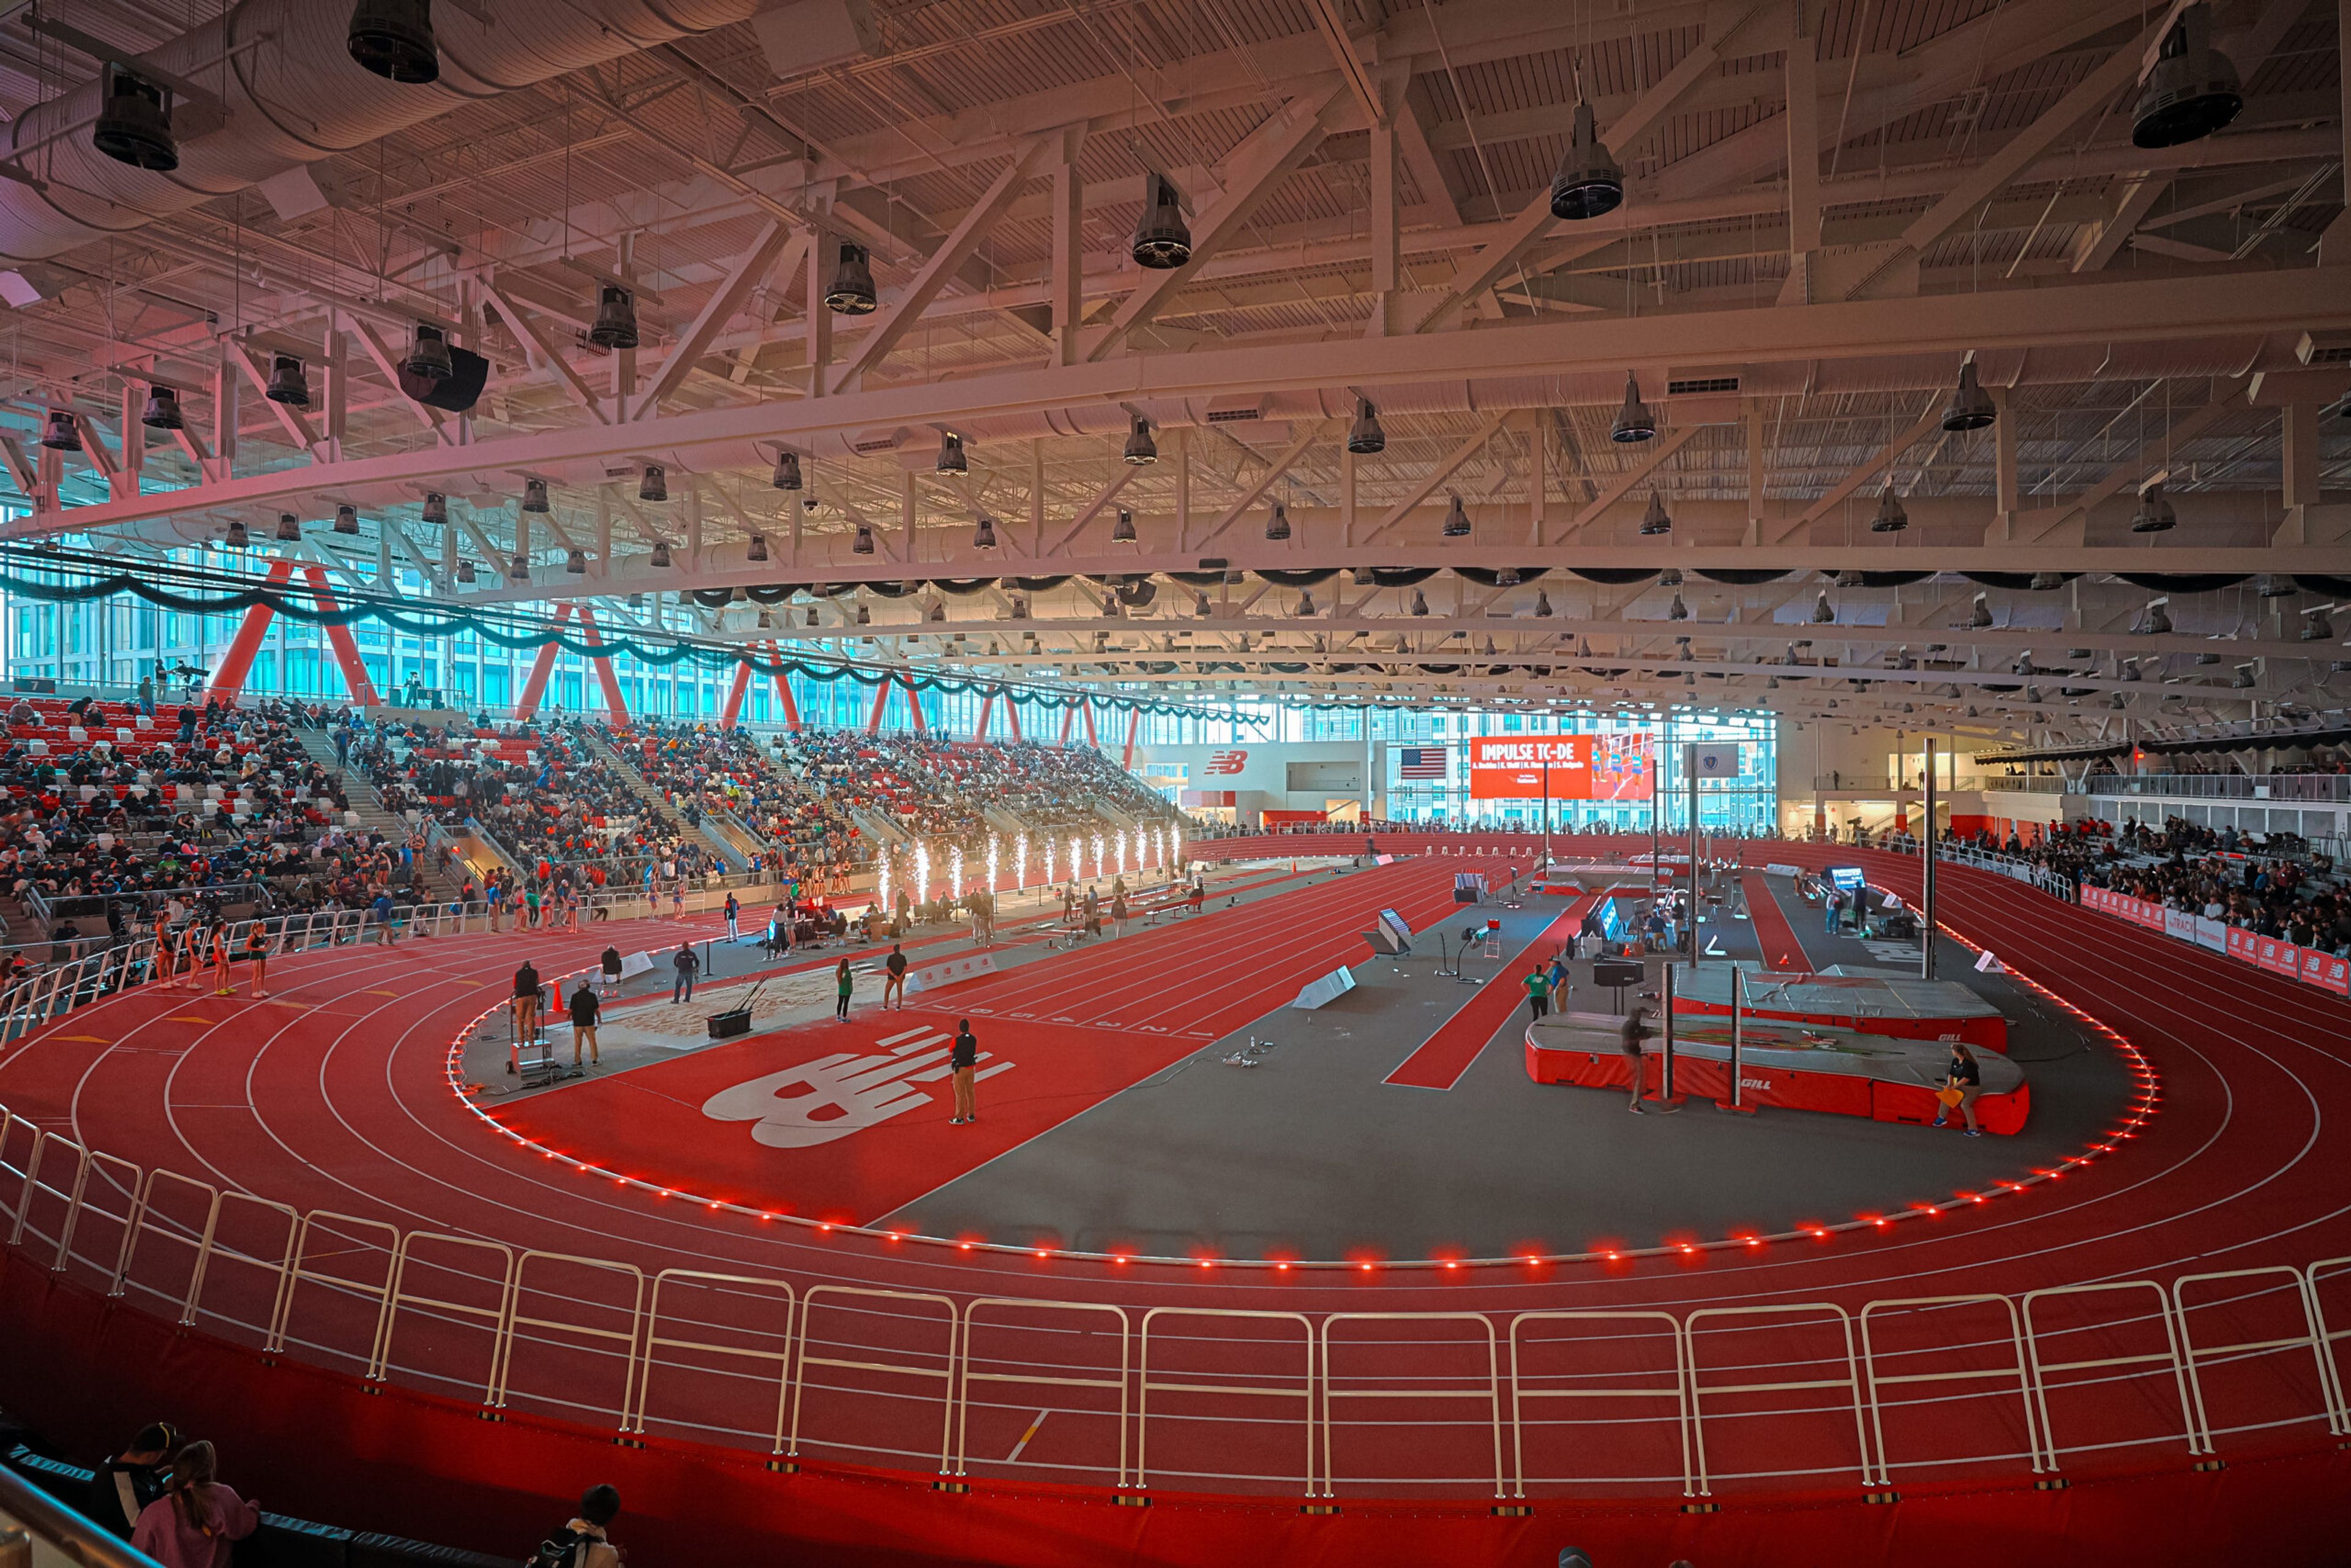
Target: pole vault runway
335	1096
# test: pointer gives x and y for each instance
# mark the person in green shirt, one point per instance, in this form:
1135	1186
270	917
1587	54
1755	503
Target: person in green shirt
1538	991
842	985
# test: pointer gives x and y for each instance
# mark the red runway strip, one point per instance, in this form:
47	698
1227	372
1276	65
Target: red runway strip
1782	951
1446	1055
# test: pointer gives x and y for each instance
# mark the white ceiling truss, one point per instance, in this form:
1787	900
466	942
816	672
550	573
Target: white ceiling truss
1828	207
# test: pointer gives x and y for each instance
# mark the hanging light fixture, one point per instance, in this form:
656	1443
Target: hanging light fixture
1678	610
811	619
347	519
1823	614
756	550
2244	679
520	569
2275	585
238	538
1364	436
937	612
850	292
2046	582
534	496
2155	514
1970	407
61	433
287	384
951	458
1891	518
1634	420
428	355
787	471
864	616
162	410
1419	602
1163	240
2316	626
1305	602
134	121
1020	607
1670	577
1590	181
1542	605
290	528
575	563
436	509
1509	577
1277	524
1140	448
465	571
655	483
2192	90
1978	615
393	39
2157	618
1657	519
1457	517
616	319
864	543
983	533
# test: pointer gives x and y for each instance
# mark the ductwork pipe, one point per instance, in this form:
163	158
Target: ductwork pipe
284	73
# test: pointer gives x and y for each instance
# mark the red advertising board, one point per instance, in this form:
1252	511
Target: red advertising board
1611	767
2244	944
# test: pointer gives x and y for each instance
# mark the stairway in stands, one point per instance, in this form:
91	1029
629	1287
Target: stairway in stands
711	830
373	814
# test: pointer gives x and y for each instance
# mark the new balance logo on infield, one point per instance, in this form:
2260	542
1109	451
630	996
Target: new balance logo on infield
829	1098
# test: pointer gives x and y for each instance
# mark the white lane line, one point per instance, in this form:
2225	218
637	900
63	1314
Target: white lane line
1025	1436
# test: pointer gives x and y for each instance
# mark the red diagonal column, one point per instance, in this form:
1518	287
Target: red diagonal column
915	701
1012	715
784	689
987	712
536	687
237	663
604	676
346	646
735	696
1087	708
1133	723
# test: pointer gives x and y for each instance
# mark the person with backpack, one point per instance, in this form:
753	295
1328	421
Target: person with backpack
197	1521
127	1482
584	1541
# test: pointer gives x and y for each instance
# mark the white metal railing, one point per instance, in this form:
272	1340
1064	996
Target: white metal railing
2317	789
934	1344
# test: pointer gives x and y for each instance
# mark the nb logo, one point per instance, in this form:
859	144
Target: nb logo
829	1098
1225	764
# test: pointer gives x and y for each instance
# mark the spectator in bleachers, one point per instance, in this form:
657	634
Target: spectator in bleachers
198	1521
127	1482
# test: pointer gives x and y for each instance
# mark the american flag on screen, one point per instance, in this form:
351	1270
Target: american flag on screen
1422	762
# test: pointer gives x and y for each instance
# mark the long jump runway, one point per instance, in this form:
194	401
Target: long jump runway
335	1096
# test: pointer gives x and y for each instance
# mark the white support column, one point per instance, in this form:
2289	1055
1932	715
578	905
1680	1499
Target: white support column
1183	484
2006	500
1069	257
1537	472
1387	260
1347	498
226	380
337	364
624	361
1803	118
1758	474
824	250
909	500
1037	499
692	524
603	531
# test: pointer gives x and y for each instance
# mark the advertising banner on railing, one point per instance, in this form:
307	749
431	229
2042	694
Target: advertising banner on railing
2180	923
2212	933
2244	944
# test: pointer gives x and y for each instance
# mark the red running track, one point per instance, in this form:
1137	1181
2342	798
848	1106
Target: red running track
340	1101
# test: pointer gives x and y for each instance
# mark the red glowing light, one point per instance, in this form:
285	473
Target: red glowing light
1366	1268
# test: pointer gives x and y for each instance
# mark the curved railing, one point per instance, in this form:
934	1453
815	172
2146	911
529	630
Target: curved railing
1137	1395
